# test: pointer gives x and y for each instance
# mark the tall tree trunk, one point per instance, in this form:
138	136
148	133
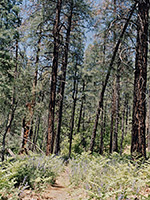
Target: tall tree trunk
81	108
112	117
50	132
63	80
100	104
138	145
103	124
115	139
74	96
122	138
149	123
127	114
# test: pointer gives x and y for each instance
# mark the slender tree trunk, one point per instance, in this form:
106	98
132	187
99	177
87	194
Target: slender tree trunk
74	96
149	123
122	138
107	78
103	124
81	108
138	145
115	139
63	80
9	122
127	114
113	112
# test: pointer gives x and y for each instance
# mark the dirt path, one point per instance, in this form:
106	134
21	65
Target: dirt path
60	191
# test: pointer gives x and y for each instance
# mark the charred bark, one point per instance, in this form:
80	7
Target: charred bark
138	144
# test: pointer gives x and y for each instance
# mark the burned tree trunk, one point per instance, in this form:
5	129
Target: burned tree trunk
138	145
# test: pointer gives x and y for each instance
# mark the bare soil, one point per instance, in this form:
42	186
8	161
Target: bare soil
61	190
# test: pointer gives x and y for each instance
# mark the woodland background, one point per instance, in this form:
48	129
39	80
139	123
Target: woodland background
65	95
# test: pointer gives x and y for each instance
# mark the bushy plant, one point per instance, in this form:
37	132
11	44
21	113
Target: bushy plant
33	172
112	177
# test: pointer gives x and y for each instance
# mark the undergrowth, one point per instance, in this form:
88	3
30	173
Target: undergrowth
32	172
112	177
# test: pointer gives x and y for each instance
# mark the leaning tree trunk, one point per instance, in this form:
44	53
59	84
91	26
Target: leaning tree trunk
63	81
138	145
107	78
56	31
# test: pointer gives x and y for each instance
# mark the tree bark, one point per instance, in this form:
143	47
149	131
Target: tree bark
112	118
56	30
122	138
63	80
138	144
149	123
115	139
103	125
74	96
81	108
107	78
127	114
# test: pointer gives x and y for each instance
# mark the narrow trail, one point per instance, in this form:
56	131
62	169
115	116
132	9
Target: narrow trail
60	191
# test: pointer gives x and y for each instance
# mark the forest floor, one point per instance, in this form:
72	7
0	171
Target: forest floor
61	190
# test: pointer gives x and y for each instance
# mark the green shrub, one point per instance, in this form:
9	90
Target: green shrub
112	177
33	172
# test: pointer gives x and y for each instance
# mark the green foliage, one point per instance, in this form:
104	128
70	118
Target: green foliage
111	177
23	172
